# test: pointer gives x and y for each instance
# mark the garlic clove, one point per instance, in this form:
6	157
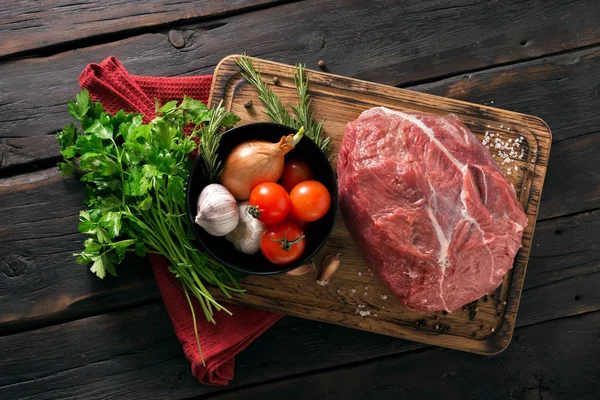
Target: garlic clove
247	234
217	210
303	269
328	269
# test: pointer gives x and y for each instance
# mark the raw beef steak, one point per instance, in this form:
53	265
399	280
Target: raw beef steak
433	214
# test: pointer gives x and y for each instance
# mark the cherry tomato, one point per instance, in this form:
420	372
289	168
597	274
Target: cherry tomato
301	224
271	203
294	172
283	243
310	201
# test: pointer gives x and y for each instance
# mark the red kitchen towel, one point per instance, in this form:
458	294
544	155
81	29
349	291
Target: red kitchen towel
111	84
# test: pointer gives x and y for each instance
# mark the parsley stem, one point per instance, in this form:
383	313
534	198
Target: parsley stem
187	296
119	155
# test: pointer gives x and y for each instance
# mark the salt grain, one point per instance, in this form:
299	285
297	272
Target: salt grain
383	297
352	291
360	310
359	273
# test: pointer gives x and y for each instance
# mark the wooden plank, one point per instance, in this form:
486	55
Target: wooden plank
569	192
564	248
34	91
557	359
41	230
562	79
134	354
44	111
39	280
572	182
28	25
50	199
130	342
561	89
21	298
15	151
353	286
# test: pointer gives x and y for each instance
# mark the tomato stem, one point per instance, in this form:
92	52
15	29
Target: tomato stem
287	244
254	211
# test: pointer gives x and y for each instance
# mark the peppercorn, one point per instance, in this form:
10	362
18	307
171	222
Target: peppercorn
276	80
248	104
321	64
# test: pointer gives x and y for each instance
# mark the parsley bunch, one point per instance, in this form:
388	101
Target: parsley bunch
135	176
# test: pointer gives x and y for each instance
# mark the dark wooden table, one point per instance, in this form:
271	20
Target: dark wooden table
65	334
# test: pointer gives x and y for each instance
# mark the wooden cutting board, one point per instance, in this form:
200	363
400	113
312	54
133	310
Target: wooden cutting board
354	298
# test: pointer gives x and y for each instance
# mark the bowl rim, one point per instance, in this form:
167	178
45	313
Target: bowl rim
282	268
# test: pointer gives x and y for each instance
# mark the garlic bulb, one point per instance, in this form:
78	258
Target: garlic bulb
246	236
217	210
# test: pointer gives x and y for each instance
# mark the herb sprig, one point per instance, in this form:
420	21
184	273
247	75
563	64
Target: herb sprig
277	112
135	176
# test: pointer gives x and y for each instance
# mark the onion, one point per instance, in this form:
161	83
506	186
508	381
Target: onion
254	162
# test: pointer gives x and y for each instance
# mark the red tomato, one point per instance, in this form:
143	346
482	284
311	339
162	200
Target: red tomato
310	201
283	243
271	203
294	172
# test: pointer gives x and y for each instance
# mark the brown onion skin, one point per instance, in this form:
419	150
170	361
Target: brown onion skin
252	163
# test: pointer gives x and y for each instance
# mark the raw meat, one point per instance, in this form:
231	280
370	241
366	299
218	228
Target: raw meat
431	211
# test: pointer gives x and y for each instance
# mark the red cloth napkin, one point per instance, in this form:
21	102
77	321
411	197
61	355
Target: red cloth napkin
111	84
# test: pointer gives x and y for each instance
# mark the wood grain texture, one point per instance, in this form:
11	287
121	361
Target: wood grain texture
353	286
569	85
39	280
134	354
33	25
42	229
562	89
28	113
553	360
573	192
379	41
573	83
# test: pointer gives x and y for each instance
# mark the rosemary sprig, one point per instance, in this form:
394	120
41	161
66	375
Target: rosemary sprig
279	113
305	118
210	138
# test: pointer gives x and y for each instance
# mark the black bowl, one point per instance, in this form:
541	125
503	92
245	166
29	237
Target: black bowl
318	232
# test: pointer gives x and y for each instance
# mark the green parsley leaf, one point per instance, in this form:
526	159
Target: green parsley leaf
168	106
100	129
111	221
146	204
134	177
